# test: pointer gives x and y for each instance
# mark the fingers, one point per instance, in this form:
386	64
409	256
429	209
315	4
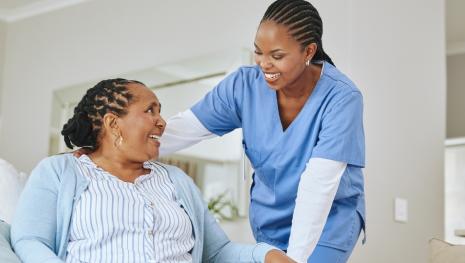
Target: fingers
85	150
277	256
77	153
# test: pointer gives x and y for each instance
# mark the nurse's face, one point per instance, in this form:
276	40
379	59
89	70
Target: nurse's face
281	57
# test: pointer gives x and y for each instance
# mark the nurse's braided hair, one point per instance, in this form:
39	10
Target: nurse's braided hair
303	21
108	96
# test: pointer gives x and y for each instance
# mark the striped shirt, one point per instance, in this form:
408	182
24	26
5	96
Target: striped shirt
116	221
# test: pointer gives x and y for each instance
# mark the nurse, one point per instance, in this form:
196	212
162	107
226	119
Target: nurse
303	133
302	127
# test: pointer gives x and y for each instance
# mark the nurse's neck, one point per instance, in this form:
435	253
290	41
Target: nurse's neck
292	99
304	85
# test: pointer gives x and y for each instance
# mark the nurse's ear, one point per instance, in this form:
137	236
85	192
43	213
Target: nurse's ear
309	51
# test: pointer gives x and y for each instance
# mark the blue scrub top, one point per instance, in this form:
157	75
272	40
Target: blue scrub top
330	126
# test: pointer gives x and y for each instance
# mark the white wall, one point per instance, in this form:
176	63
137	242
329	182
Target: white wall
393	50
456	96
398	61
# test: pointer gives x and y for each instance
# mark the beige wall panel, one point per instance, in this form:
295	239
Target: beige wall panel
456	96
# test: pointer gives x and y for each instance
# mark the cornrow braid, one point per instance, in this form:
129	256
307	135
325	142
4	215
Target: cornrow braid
304	23
108	96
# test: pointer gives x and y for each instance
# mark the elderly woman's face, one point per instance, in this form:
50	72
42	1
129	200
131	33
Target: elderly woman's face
142	126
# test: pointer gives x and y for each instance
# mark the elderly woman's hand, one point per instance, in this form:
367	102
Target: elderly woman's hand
277	256
81	151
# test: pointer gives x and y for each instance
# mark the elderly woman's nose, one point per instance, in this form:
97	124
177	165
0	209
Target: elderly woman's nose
161	122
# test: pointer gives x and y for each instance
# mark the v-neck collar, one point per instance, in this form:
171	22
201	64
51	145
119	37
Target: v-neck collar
276	107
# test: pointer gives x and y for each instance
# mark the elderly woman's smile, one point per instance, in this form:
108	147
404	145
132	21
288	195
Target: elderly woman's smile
155	139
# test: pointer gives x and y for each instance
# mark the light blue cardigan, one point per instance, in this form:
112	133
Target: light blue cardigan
41	226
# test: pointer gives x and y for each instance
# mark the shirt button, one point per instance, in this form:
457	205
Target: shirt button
150	232
151	204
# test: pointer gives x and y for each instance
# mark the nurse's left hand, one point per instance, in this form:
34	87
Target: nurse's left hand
277	256
81	151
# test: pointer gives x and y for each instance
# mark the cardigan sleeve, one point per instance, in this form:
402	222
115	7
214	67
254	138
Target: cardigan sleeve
34	227
218	248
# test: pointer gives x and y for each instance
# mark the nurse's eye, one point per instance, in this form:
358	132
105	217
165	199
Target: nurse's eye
258	53
277	57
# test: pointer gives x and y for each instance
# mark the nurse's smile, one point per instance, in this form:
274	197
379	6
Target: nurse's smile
272	77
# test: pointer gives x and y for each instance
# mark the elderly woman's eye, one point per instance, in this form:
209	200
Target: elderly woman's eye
149	110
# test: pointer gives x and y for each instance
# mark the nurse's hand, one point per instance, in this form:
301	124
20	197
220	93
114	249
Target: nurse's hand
81	151
277	256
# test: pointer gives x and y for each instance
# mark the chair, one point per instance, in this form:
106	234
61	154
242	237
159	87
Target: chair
443	252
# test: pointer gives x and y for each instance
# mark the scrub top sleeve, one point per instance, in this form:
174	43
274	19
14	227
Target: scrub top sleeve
219	111
342	137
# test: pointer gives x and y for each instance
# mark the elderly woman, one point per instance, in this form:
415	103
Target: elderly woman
114	205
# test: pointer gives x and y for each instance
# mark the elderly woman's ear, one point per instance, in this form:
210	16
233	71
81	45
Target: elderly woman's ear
110	125
110	128
110	122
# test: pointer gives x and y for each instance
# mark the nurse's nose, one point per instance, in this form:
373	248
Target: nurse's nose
265	63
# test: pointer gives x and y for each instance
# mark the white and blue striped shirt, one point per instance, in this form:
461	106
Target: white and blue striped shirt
116	221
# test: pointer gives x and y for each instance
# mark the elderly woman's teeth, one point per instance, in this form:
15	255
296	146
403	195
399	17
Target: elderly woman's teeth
272	76
154	137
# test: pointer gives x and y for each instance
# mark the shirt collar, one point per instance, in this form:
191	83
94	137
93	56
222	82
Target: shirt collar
84	159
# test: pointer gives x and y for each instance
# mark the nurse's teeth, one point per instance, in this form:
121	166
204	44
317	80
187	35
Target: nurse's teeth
154	137
272	76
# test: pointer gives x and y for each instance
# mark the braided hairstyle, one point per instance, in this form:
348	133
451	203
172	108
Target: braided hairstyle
303	21
108	96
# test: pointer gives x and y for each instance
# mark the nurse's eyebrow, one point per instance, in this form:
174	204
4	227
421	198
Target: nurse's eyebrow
272	51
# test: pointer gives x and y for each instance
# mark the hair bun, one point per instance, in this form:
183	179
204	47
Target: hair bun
77	130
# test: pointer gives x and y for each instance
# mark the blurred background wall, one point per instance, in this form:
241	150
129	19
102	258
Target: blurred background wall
3	33
398	61
456	94
455	143
395	52
455	37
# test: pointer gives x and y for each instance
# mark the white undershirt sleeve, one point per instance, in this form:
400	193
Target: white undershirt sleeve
317	189
183	131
